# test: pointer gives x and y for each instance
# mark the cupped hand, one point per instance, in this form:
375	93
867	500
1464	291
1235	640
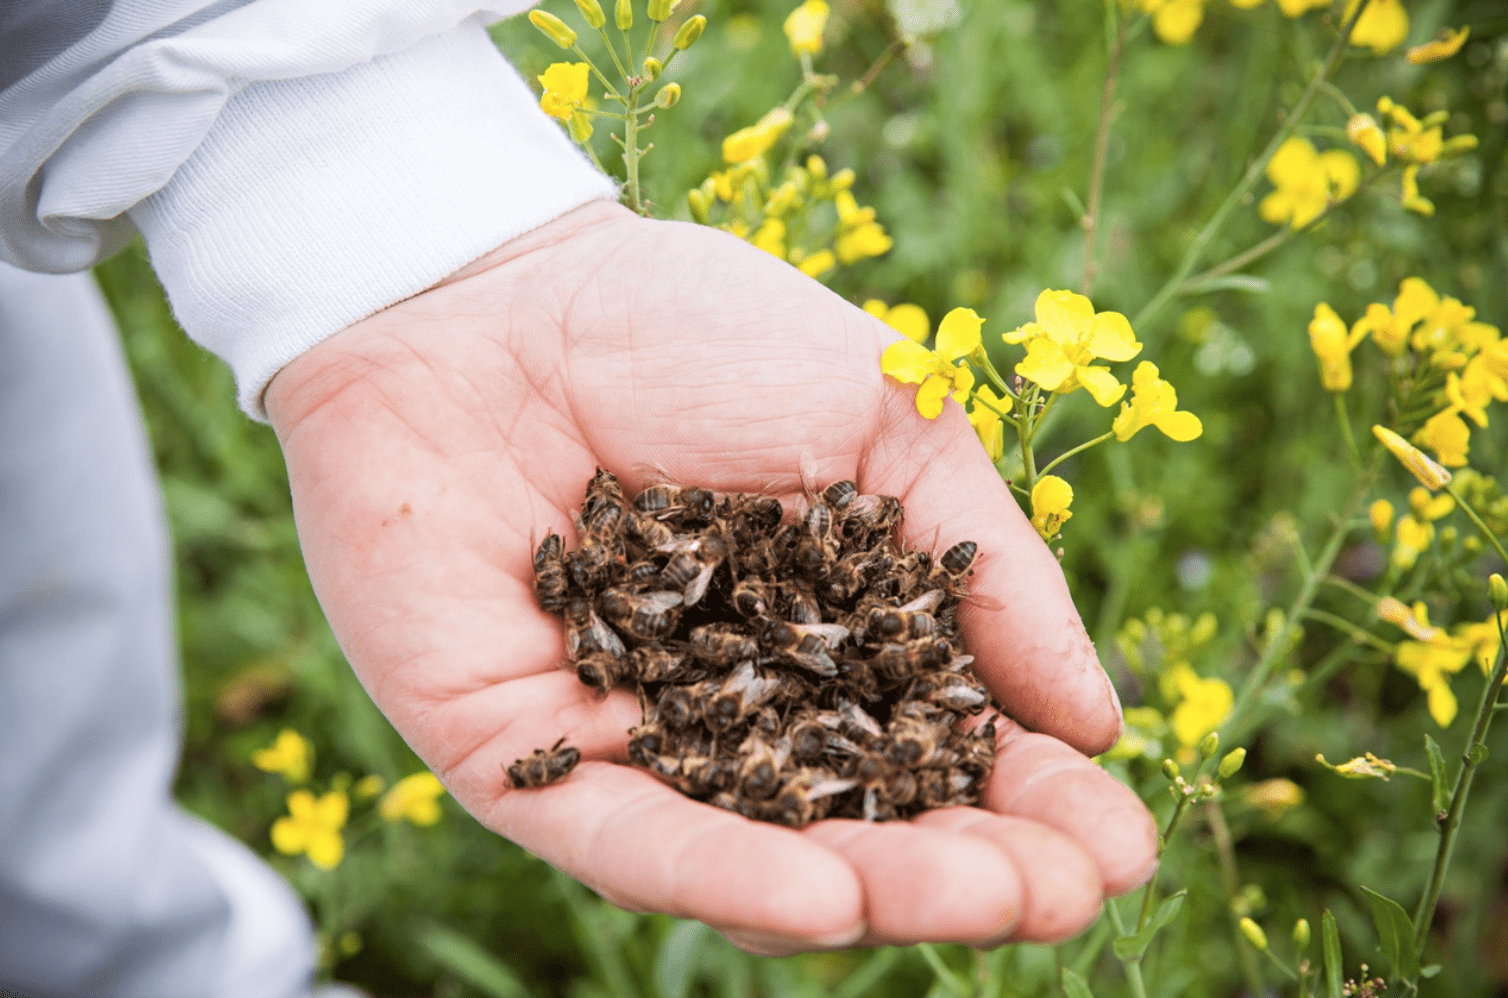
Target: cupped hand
431	446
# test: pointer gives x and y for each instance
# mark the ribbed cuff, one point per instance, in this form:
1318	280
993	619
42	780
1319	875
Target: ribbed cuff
313	203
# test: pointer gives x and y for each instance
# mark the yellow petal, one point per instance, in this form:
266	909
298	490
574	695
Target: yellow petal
1343	172
326	850
1101	384
1443	47
908	361
1045	363
1180	426
1176	22
1064	316
910	321
287	837
1429	474
1382	27
1111	337
1363	130
958	334
1442	703
929	398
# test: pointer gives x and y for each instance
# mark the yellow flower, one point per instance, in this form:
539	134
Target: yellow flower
1333	345
565	86
1429	474
1483	640
987	422
1381	514
756	140
937	372
289	755
1413	539
1410	196
1051	497
313	826
1174	21
1413	621
1364	130
1274	798
1390	335
909	320
1431	662
1067	336
1306	182
1447	434
414	797
817	264
368	786
1443	47
804	27
770	237
1382	27
1427	507
1369	768
1204	705
859	235
1408	137
1154	403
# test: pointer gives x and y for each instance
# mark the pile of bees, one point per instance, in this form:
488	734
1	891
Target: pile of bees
789	670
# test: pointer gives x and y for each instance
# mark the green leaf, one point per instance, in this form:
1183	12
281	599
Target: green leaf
1075	986
1395	931
470	962
1477	754
1437	774
1133	946
678	957
1334	968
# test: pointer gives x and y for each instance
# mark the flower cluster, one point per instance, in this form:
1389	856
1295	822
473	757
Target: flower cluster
1432	655
1307	182
1159	650
1412	141
1382	27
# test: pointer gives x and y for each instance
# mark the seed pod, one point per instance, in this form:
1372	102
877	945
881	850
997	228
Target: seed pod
623	14
669	94
690	32
554	28
591	12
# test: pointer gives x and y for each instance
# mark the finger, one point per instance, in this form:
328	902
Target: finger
1033	651
926	884
644	847
1060	882
1039	778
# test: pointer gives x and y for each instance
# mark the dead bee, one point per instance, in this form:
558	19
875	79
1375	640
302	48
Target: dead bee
752	597
686	505
601	671
945	788
910	620
767	555
868	519
955	565
723	644
807	645
898	661
648	532
729	701
551	583
653	663
806	796
958	692
693	560
976	751
917	742
759	766
801	605
846	577
544	766
854	722
586	633
818	544
704	772
839	494
641	616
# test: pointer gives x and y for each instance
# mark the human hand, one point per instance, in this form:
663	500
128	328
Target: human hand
431	445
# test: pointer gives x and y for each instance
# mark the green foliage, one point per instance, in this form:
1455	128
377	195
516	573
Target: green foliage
975	146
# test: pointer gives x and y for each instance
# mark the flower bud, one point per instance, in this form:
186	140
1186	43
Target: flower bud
843	179
1301	934
1430	474
817	167
579	125
591	12
668	95
652	68
699	204
1363	130
1457	144
554	28
1497	591
1210	745
1170	769
660	10
1231	764
1254	934
623	14
1382	520
1472	544
690	32
1448	536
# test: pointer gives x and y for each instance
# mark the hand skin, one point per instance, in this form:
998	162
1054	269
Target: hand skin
432	445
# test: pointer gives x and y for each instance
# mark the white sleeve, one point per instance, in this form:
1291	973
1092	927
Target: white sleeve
294	167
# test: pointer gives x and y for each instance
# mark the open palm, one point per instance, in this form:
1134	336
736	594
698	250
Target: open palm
432	445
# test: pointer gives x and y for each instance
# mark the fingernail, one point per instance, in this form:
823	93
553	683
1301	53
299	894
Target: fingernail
773	944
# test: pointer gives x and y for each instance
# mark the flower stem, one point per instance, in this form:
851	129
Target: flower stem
1251	176
1079	449
1225	851
611	90
1132	966
631	152
1486	532
1356	634
1090	221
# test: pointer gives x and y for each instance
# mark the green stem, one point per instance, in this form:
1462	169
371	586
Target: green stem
1004	414
1343	416
1132	967
611	90
1356	634
1292	974
1091	219
1077	450
1162	847
631	152
944	973
1249	179
1347	586
1492	539
1470	759
608	41
1225	852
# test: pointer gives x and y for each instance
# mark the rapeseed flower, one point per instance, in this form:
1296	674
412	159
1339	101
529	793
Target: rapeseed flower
816	264
1447	45
368	786
1429	473
1431	663
987	422
937	371
1154	402
1332	344
1364	130
1306	182
1409	138
1382	27
1274	798
756	140
565	86
909	320
1051	497
1174	21
289	755
803	28
1203	706
859	235
1290	8
313	826
770	237
1381	515
1362	768
1447	434
414	797
1068	336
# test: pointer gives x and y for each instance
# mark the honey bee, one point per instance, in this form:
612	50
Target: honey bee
752	597
648	745
806	796
818	544
722	644
855	722
846	577
759	767
801	605
692	562
911	620
807	645
767	555
586	633
918	737
731	700
898	661
641	616
945	788
839	494
958	692
653	663
955	565
976	751
809	738
704	772
648	532
551	583
887	792
687	505
868	519
601	671
544	766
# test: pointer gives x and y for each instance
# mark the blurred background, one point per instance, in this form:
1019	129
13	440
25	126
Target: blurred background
974	146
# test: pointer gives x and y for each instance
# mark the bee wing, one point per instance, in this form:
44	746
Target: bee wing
697	587
960	663
828	787
661	600
927	601
857	716
831	634
676	545
607	638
